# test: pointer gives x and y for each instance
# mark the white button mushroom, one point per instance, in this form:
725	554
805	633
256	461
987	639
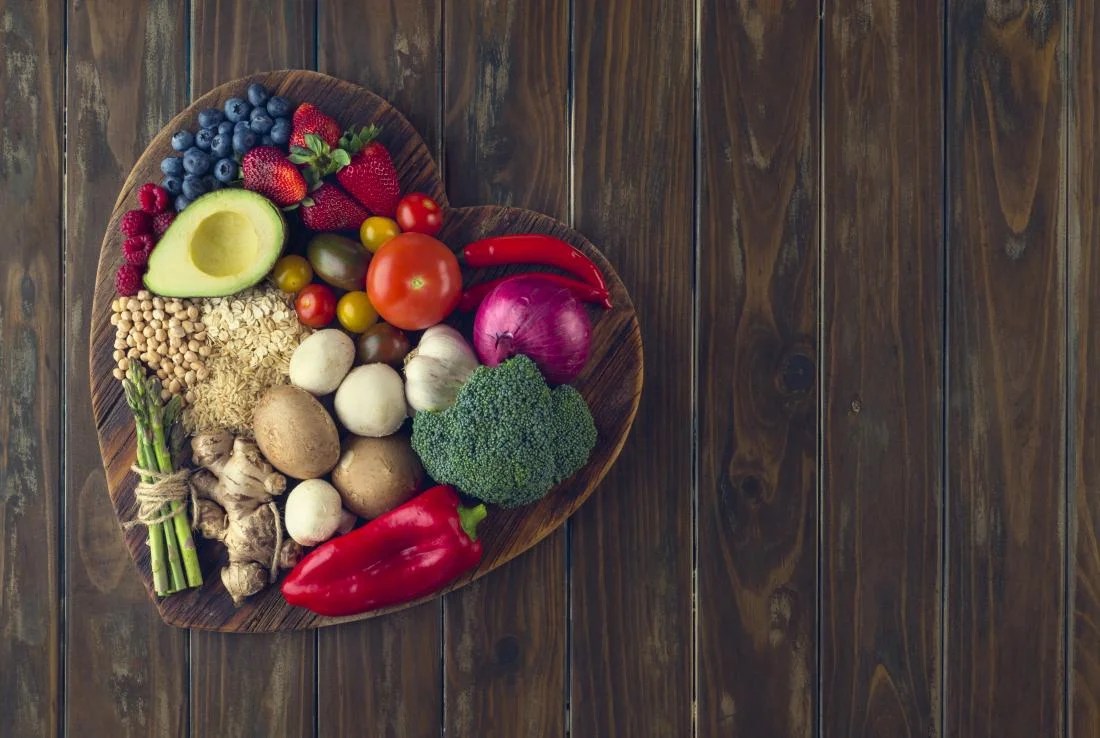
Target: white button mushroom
313	512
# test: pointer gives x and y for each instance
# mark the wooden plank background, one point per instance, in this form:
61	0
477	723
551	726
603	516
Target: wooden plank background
860	497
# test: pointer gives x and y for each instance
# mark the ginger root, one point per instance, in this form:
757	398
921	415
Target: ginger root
234	489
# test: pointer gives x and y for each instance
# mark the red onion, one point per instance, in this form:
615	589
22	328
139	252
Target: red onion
535	317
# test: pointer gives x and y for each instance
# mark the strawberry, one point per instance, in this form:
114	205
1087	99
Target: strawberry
161	221
309	119
370	176
128	280
153	198
136	223
136	249
329	208
266	170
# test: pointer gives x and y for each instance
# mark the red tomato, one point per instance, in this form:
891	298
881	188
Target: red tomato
315	305
417	213
414	281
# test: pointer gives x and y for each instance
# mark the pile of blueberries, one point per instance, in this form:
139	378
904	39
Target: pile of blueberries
209	159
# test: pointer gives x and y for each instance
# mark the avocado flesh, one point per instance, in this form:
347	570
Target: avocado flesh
222	243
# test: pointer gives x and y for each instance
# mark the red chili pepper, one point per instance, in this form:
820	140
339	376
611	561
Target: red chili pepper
533	248
407	553
472	297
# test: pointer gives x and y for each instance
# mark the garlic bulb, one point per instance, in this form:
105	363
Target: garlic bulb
437	368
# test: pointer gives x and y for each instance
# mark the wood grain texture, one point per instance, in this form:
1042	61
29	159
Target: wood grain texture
883	313
394	49
506	133
610	383
631	583
31	86
757	398
1006	370
119	95
274	675
1083	52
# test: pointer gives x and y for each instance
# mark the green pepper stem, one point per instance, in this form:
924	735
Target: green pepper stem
469	517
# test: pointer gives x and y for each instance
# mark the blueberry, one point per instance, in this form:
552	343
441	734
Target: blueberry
243	141
267	141
241	125
210	118
173	165
226	127
196	161
257	95
193	186
236	109
174	185
278	107
222	145
280	132
262	123
204	138
182	201
210	183
183	140
225	170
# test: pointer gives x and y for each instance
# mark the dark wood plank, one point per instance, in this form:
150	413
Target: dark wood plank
1006	363
263	684
883	313
632	555
758	266
394	49
31	87
123	85
1083	50
507	137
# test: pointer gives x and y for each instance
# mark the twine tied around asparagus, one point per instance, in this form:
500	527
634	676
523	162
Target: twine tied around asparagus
153	496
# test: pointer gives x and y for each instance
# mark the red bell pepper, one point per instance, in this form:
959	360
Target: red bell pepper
582	291
533	248
407	553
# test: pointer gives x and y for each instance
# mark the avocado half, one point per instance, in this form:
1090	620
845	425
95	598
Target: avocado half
222	243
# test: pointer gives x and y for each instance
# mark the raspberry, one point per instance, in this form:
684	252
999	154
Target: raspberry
136	249
136	223
128	280
161	221
153	199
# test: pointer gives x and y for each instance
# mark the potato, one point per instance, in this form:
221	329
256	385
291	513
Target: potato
322	361
374	475
371	400
296	433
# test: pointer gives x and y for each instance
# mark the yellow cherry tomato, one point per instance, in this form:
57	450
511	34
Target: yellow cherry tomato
355	312
291	273
376	230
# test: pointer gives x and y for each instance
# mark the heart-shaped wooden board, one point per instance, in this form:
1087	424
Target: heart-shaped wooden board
611	382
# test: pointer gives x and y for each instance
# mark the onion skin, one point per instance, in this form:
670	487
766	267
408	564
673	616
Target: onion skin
538	318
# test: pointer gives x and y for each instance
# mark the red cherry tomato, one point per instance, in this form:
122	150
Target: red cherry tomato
417	213
414	281
315	305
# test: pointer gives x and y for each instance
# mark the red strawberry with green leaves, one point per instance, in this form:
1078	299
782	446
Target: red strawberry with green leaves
267	170
308	119
370	176
329	208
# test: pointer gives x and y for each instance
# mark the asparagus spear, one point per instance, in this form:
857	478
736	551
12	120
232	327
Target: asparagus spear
150	416
156	541
159	413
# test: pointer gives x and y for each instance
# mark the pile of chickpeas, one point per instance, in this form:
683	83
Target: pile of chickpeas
166	335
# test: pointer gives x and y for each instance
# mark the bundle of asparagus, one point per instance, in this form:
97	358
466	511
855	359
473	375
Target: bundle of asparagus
160	439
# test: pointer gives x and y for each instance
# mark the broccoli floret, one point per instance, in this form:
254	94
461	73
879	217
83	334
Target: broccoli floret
509	438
